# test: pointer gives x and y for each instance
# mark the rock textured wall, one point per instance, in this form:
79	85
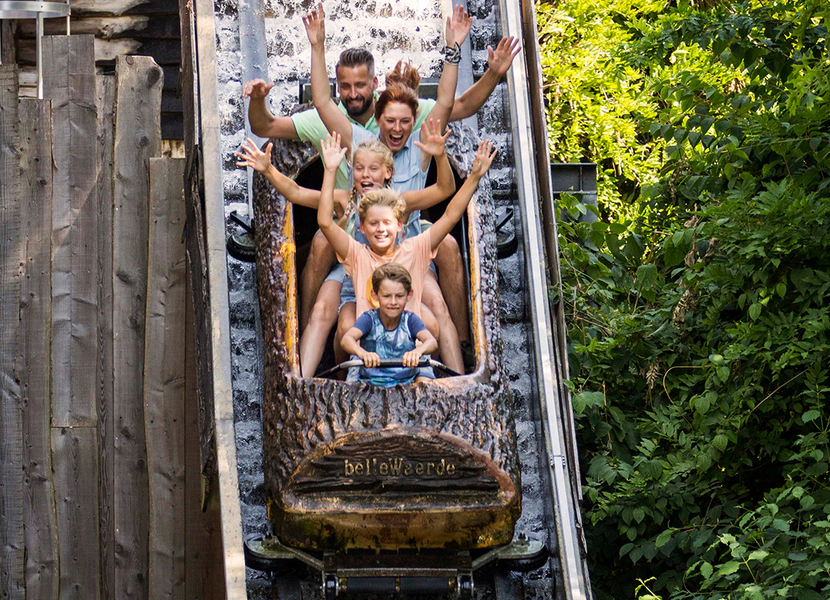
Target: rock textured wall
392	30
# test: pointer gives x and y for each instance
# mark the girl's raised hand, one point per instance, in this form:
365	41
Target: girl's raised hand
435	143
253	157
331	151
483	159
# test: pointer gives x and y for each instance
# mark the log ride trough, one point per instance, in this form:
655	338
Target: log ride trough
350	465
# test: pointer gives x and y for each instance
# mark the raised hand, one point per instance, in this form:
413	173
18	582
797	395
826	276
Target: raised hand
315	26
500	59
483	159
458	26
434	143
251	156
256	89
331	151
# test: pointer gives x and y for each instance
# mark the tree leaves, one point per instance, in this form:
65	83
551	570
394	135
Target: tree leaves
699	306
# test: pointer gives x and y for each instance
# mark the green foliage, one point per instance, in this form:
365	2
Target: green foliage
699	306
595	99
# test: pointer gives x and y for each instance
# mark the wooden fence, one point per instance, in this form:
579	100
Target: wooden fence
100	467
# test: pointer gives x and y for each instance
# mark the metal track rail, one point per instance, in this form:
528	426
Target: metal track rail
518	19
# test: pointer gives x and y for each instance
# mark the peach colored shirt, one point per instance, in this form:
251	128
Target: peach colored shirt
414	253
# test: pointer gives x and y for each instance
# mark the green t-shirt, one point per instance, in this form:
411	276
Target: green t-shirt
310	128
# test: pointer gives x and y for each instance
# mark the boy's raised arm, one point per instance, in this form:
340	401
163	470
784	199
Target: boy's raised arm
332	116
332	155
457	206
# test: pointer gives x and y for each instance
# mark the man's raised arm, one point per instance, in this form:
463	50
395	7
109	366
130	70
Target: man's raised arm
498	63
333	118
263	123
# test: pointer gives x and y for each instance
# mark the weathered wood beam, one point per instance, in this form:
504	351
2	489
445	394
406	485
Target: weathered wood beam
8	54
12	583
104	27
41	527
108	7
210	163
137	138
105	95
189	84
164	378
203	529
75	465
69	81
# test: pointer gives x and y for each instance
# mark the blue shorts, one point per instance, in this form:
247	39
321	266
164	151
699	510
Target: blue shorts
340	275
336	274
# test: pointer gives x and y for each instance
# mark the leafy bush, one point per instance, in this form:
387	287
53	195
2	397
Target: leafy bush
698	311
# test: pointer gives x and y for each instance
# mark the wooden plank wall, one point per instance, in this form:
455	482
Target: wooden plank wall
40	516
100	469
11	413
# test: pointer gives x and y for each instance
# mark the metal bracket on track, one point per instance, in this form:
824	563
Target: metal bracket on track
442	572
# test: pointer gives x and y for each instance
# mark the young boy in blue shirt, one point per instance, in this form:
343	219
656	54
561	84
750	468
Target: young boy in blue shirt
389	331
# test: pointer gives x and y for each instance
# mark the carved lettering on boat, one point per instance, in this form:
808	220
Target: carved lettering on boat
396	463
398	466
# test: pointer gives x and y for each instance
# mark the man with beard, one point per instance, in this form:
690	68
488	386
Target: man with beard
357	83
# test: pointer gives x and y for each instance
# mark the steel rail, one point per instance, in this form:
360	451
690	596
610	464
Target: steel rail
39	11
549	363
254	60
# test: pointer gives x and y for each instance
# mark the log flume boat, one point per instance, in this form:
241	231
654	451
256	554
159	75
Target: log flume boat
350	466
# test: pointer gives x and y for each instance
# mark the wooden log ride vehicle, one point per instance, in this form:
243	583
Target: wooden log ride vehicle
350	467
